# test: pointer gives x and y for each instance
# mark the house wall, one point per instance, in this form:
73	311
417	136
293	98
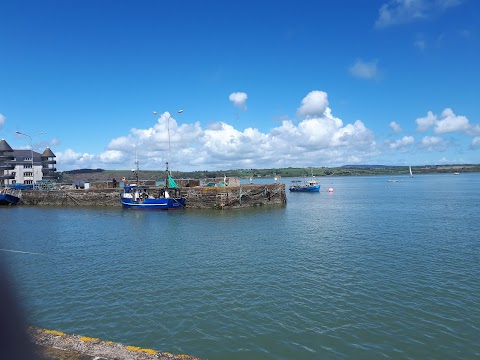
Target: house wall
22	172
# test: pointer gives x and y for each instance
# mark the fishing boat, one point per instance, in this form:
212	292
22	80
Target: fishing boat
9	196
310	185
136	196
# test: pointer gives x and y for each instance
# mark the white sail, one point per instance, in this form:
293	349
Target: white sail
410	169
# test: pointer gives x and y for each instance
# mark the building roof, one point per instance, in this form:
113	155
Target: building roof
48	153
4	146
21	154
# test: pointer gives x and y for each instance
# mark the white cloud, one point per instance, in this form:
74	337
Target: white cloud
364	70
318	139
424	123
112	156
395	127
314	104
474	130
402	144
475	143
2	120
449	122
70	159
433	143
397	12
239	100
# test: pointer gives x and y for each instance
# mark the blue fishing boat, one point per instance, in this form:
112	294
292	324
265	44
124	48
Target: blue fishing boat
310	185
136	196
9	196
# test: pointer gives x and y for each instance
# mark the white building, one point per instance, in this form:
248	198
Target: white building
25	166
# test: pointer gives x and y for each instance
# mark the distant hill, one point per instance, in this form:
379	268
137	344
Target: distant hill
83	171
367	166
93	175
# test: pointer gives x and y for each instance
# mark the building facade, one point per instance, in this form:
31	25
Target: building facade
25	166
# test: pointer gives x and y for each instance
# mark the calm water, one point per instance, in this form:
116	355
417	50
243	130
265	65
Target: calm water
373	270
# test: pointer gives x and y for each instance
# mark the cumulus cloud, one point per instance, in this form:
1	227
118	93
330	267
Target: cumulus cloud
474	130
433	143
239	100
395	127
364	70
70	159
449	122
2	120
446	122
112	156
424	123
319	139
313	105
397	12
401	144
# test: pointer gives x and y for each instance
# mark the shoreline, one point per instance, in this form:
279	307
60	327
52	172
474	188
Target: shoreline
52	344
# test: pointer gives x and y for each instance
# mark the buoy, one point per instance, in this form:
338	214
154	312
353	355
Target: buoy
330	190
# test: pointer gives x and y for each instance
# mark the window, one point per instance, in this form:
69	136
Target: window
27	159
27	166
28	174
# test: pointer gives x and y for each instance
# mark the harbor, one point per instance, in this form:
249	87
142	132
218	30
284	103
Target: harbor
367	271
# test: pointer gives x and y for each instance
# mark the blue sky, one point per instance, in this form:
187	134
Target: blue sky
263	84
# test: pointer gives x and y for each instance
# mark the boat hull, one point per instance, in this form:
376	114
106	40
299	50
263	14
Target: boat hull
154	204
315	188
7	199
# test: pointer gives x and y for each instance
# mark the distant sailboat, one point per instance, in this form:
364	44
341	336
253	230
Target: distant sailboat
410	169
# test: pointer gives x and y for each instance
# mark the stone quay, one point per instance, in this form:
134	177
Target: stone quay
197	197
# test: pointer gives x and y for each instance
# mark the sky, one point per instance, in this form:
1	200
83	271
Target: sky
262	84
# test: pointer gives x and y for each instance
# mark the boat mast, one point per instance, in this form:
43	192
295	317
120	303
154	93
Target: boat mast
167	175
137	169
169	147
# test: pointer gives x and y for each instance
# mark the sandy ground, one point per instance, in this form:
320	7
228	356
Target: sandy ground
55	345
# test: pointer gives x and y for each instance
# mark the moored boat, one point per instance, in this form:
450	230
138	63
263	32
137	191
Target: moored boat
310	185
10	196
135	196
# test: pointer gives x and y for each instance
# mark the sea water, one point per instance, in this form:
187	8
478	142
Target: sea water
374	269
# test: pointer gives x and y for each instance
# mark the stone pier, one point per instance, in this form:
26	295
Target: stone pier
198	197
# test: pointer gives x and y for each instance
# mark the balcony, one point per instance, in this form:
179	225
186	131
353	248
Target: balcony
6	167
49	161
4	158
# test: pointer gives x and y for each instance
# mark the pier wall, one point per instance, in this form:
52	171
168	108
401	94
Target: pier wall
197	197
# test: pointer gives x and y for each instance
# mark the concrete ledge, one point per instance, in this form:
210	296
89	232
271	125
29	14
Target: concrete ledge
228	197
56	345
